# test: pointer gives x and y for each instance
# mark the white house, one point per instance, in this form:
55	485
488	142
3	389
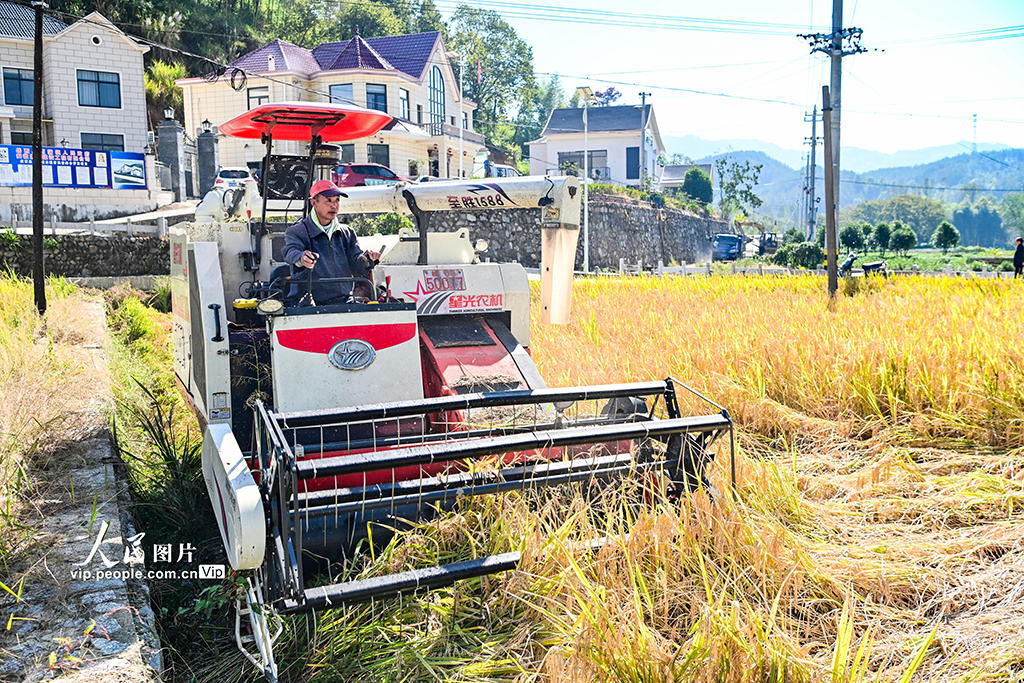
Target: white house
94	94
616	150
409	77
93	117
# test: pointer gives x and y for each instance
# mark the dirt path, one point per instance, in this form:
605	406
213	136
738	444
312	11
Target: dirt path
71	611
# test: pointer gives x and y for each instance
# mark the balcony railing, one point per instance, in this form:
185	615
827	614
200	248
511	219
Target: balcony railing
438	130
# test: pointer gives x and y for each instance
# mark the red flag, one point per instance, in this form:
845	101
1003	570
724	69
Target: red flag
479	73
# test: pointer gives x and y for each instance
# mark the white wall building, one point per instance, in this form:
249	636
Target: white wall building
94	98
613	144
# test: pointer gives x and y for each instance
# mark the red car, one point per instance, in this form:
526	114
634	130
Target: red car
356	175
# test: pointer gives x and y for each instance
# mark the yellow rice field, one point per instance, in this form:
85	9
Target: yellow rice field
876	532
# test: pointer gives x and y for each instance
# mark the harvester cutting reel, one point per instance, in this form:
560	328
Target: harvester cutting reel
304	498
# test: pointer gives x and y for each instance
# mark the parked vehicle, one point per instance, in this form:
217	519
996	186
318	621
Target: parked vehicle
483	167
357	175
233	176
726	247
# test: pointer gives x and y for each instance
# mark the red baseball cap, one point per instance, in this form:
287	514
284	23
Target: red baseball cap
326	188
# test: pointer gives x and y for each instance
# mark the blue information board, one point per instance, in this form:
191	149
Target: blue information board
73	168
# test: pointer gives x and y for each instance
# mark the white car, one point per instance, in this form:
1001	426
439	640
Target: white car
233	176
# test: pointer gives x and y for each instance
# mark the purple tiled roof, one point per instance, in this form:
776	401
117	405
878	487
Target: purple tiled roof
287	57
408	54
357	54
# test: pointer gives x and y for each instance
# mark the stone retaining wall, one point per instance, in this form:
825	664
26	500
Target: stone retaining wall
89	256
618	230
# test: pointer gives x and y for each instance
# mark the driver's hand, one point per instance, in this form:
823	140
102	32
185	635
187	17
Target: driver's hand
371	255
308	259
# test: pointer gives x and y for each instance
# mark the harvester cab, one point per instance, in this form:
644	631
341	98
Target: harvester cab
322	421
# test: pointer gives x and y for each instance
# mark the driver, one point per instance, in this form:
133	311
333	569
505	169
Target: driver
328	248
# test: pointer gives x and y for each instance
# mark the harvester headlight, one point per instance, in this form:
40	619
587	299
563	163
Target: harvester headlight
480	246
270	307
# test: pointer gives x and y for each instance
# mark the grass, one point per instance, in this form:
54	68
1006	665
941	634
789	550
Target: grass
43	391
876	532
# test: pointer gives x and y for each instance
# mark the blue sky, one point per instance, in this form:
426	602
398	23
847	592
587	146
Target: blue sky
919	92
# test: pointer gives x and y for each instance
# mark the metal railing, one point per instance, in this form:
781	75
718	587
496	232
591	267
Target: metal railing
437	130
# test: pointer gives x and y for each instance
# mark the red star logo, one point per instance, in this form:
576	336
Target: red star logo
415	296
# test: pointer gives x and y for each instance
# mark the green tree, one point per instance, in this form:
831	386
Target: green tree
946	236
428	18
737	182
903	239
852	237
161	92
548	97
370	19
506	86
1011	211
793	236
880	237
867	230
920	214
697	186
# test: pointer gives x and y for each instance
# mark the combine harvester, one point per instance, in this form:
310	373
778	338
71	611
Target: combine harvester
320	422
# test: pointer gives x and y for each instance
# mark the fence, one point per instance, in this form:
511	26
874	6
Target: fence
761	269
55	228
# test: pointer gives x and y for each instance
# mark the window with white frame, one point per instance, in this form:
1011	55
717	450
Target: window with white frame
403	103
342	94
99	89
436	96
259	95
377	97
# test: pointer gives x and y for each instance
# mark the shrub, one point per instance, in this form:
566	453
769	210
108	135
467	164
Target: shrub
697	185
793	236
803	255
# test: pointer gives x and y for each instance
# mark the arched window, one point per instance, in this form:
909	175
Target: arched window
436	96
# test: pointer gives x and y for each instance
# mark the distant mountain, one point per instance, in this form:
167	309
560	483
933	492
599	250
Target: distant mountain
853	158
951	180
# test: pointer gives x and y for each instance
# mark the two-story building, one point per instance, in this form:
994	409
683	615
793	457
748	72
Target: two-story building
93	118
619	142
409	77
94	94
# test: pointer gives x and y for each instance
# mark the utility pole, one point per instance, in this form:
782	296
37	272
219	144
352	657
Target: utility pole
837	44
831	255
38	275
643	136
812	204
